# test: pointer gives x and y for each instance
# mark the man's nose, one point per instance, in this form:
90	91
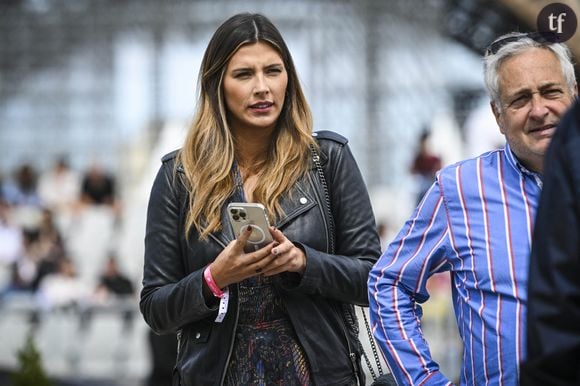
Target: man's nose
539	110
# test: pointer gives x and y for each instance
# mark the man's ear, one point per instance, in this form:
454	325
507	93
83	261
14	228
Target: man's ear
497	114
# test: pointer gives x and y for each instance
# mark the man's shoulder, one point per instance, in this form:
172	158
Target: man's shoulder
469	170
485	159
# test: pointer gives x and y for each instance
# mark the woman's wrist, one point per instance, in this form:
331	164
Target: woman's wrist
211	284
303	260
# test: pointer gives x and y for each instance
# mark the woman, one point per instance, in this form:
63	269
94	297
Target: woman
275	315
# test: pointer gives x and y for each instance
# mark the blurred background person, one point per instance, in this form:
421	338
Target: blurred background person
51	248
425	165
24	269
384	234
22	190
113	283
10	243
59	186
59	190
162	352
21	194
98	187
63	289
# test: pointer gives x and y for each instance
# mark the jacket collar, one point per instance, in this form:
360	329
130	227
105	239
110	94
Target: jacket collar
521	169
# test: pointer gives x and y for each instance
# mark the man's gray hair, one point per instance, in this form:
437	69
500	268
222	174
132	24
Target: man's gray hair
522	42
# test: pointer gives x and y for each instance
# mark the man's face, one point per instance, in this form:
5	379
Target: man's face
533	97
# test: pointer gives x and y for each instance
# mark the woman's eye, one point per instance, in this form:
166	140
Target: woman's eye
242	75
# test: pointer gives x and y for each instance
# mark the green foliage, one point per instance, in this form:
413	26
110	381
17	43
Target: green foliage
30	371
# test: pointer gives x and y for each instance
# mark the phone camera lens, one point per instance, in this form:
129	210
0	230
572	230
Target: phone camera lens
242	214
236	217
233	211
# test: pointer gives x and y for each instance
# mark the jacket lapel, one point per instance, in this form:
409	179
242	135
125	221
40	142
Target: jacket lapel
294	203
298	201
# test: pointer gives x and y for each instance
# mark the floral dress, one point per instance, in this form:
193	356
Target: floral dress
266	348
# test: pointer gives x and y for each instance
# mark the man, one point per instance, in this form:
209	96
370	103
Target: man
554	284
476	222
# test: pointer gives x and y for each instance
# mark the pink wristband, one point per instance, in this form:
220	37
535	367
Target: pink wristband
215	290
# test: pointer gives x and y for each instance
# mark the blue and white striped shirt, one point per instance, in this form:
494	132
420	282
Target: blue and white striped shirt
476	222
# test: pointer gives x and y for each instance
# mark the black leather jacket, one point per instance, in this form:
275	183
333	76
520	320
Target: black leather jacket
172	299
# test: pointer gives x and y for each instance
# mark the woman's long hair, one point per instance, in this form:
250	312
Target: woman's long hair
208	153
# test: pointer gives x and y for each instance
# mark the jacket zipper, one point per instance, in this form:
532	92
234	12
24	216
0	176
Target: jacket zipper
231	348
179	333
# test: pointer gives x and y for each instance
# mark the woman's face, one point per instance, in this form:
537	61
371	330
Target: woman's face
254	87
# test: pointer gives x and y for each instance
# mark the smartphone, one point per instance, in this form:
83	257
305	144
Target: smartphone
242	214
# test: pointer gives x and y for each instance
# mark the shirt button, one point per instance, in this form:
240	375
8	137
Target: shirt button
198	335
303	200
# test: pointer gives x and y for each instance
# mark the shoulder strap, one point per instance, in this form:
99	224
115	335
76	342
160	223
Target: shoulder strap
330	223
331	236
328	207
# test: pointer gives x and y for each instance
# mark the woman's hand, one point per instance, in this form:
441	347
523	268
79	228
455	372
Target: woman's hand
286	256
233	265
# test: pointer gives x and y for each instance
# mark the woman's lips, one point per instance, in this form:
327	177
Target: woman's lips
261	106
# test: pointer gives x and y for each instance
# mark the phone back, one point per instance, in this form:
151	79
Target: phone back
244	214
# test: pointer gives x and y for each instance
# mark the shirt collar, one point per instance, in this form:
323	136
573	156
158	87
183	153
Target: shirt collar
521	169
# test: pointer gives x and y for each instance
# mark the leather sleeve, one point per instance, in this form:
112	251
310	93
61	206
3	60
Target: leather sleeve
170	297
343	275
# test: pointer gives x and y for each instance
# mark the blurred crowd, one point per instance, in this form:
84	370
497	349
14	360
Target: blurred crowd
54	247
